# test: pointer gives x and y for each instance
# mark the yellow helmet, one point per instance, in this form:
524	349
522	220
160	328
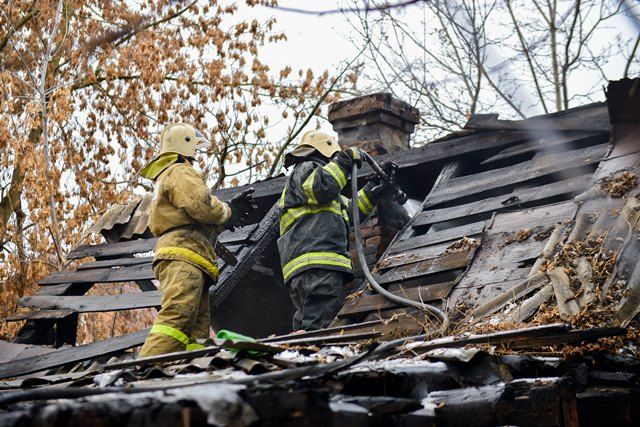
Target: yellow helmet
311	141
324	143
180	138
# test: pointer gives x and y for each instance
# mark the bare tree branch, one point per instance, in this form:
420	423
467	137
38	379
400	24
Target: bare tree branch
632	56
367	8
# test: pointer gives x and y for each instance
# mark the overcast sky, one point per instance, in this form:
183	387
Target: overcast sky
323	42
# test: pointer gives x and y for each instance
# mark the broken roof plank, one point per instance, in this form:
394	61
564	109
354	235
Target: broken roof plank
419	254
74	354
414	255
545	215
100	275
118	262
553	142
520	290
593	117
130	247
504	202
464	186
373	303
570	337
88	304
500	337
40	314
325	331
448	262
12	351
113	249
447	235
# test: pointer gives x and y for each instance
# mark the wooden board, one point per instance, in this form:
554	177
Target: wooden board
69	355
505	202
452	261
12	351
592	117
87	304
414	255
100	275
447	235
118	262
374	303
40	314
113	249
464	186
552	143
544	216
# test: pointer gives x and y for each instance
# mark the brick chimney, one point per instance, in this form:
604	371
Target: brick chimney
377	124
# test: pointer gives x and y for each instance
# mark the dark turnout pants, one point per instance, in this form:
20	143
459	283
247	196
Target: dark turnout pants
317	297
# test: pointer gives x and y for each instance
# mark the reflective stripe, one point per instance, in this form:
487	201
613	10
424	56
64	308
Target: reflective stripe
188	254
284	195
172	332
336	172
293	214
312	258
307	188
345	208
364	204
194	346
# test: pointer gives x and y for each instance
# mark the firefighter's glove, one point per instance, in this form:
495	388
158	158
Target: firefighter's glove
241	206
379	187
346	158
389	168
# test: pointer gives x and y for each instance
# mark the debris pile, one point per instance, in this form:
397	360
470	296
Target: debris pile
575	282
463	245
619	185
519	236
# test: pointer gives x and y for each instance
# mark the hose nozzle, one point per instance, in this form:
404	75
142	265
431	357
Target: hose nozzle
399	195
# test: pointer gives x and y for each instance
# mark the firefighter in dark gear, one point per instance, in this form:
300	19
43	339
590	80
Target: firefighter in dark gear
186	218
314	227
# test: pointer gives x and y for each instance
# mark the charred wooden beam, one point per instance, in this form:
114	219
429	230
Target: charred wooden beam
100	275
374	303
72	354
99	303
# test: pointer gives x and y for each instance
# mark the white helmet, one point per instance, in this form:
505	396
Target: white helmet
181	138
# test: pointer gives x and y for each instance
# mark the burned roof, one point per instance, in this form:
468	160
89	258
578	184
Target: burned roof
526	234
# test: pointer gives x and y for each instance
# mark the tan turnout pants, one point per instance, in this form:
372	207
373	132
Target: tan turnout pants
184	316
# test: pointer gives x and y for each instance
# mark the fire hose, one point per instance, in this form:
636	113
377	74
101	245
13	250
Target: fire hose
401	198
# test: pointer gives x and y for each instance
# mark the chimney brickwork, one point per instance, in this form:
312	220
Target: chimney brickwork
378	124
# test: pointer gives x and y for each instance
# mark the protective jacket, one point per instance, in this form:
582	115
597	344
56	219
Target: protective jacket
315	218
184	215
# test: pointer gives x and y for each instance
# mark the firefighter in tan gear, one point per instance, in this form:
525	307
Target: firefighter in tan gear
186	218
314	227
